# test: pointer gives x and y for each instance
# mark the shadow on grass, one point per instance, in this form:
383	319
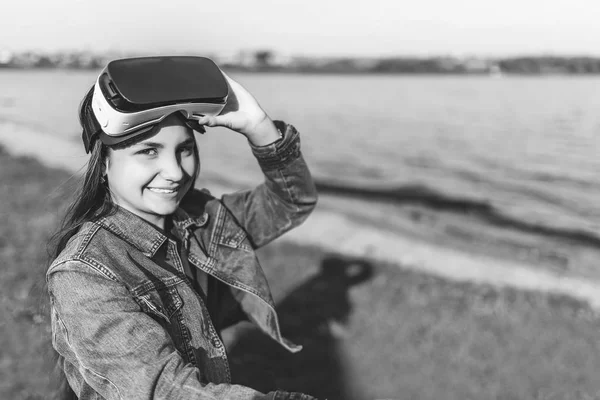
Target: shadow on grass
314	315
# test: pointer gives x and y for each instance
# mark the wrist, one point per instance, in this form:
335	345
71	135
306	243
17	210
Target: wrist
264	133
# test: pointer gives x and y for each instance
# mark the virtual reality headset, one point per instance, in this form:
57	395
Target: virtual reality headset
132	96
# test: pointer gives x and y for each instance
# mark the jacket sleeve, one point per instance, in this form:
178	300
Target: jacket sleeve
286	197
118	350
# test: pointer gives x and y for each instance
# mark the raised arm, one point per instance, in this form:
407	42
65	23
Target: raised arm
286	197
288	194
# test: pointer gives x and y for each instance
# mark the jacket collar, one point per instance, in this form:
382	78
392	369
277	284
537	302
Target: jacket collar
145	236
182	220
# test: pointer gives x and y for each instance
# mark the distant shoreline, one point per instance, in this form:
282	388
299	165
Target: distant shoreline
342	73
264	62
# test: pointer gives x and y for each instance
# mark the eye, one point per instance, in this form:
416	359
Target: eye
150	151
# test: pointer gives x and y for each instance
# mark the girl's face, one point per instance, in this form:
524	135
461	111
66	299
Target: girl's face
150	177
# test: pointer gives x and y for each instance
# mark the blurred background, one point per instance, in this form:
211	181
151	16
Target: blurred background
454	252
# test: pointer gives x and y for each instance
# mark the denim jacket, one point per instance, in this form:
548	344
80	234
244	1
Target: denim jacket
127	326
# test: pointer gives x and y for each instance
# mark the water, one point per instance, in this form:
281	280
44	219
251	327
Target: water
526	146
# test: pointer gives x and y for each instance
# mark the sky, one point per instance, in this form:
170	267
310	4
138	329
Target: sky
370	28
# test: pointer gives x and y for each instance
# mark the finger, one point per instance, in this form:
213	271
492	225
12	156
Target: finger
213	121
207	120
223	120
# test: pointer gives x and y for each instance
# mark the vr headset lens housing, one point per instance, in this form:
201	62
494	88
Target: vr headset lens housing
131	96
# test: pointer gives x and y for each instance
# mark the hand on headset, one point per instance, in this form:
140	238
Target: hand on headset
243	114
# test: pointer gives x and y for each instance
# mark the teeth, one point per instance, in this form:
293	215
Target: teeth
159	190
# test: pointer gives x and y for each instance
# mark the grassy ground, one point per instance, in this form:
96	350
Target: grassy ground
29	201
369	330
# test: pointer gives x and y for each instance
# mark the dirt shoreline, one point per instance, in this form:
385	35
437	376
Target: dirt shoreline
413	243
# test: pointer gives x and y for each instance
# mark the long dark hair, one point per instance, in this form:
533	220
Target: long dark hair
92	201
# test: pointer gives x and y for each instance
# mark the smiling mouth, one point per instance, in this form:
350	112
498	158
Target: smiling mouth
163	190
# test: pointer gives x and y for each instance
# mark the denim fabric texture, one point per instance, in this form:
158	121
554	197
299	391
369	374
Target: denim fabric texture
126	321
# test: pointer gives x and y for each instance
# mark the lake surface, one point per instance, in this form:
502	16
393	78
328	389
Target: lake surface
527	146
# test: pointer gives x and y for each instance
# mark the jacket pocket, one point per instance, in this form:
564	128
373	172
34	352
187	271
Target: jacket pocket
231	238
232	235
162	302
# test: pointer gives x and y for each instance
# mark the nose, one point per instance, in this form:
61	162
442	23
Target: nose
171	168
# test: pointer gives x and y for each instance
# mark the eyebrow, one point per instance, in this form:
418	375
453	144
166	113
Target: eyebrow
161	146
152	144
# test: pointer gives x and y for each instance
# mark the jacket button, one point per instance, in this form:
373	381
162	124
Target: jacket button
216	342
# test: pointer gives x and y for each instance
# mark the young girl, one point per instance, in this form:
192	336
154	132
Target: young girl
148	270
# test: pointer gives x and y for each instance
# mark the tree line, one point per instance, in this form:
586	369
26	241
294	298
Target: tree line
267	61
